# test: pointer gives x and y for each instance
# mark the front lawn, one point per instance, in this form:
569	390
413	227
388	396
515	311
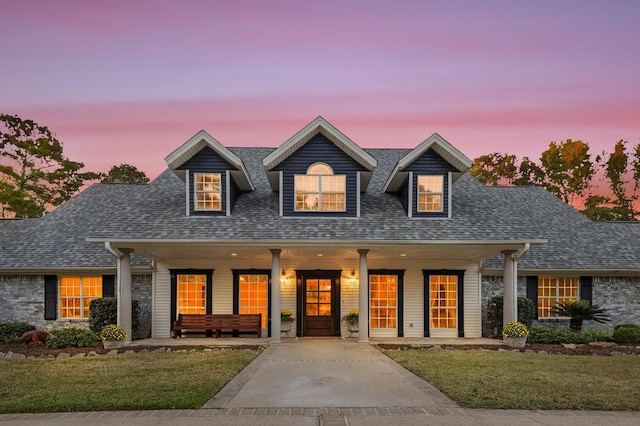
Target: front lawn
137	381
515	380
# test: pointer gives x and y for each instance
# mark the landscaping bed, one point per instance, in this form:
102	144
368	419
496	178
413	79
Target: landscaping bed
39	350
597	348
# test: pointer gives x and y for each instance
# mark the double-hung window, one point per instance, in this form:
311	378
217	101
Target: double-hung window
320	190
191	294
76	293
207	188
555	290
430	193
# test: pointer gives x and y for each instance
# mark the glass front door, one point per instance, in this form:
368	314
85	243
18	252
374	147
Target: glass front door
319	302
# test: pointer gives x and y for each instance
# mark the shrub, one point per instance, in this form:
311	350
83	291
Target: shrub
581	310
526	313
71	337
627	333
557	335
515	329
113	332
104	311
10	332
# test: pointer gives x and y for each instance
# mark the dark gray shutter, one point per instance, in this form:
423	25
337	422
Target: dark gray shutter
50	297
586	284
108	286
532	293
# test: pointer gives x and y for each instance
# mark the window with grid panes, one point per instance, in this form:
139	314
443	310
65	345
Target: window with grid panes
430	191
207	188
443	300
320	190
253	295
553	290
75	295
383	301
192	294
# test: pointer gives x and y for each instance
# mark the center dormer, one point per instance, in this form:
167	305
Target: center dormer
319	172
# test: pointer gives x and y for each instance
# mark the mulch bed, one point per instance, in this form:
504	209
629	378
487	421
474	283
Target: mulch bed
607	349
39	350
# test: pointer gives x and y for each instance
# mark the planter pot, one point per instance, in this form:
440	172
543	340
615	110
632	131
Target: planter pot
112	344
516	342
353	330
285	327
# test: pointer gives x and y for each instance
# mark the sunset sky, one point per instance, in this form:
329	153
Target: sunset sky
129	81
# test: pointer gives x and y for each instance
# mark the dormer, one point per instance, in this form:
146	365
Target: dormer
319	172
422	179
214	177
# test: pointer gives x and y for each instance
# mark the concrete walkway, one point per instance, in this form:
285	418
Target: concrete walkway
327	382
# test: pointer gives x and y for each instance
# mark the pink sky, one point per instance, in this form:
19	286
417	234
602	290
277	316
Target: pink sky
129	81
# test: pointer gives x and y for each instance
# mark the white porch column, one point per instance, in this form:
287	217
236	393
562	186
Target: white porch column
275	295
510	285
124	292
363	299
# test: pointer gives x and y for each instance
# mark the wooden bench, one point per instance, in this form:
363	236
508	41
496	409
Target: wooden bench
235	324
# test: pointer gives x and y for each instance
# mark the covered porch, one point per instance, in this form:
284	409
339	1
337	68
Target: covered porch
296	269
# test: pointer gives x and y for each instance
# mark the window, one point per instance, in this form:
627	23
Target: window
320	190
430	190
191	294
207	191
76	293
443	300
555	290
253	295
383	302
318	297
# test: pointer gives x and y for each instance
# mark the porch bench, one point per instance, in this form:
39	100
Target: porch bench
236	324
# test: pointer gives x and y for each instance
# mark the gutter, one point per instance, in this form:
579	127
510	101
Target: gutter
521	252
114	251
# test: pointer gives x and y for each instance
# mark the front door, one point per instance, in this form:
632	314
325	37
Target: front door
318	303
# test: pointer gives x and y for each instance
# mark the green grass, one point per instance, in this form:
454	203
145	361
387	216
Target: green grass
139	381
510	380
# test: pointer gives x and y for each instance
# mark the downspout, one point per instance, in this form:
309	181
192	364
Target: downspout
515	257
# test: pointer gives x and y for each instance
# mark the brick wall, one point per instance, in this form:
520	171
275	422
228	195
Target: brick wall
620	296
22	299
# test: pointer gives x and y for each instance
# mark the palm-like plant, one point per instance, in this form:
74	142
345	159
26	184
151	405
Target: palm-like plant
581	310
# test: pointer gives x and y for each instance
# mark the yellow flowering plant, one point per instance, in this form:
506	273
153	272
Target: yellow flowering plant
515	329
113	332
352	317
286	316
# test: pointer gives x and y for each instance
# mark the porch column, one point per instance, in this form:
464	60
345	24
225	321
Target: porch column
275	295
510	285
363	300
124	292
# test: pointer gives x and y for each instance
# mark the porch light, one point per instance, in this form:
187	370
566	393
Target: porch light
352	278
283	278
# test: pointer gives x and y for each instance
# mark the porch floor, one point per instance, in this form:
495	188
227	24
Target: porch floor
266	341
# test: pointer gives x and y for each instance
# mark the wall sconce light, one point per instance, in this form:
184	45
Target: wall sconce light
283	278
352	277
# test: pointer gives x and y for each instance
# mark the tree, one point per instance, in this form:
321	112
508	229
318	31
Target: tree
565	169
125	173
495	169
620	170
34	173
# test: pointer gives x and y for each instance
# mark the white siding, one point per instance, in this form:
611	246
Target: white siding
472	294
161	321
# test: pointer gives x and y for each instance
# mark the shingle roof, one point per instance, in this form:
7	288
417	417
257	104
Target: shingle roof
157	211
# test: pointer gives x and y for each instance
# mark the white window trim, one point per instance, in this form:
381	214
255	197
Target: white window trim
320	192
196	192
81	297
557	280
418	193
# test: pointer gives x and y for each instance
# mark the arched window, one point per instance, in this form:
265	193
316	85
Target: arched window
320	189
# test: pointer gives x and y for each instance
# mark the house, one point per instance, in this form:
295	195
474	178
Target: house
318	226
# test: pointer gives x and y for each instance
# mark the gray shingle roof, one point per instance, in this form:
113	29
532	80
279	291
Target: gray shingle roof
157	211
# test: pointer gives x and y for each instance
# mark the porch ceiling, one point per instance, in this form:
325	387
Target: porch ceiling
306	250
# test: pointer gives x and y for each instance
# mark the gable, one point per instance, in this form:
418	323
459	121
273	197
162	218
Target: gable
435	151
193	147
330	133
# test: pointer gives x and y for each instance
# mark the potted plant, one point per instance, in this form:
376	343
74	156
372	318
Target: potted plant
113	336
515	334
352	320
286	320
